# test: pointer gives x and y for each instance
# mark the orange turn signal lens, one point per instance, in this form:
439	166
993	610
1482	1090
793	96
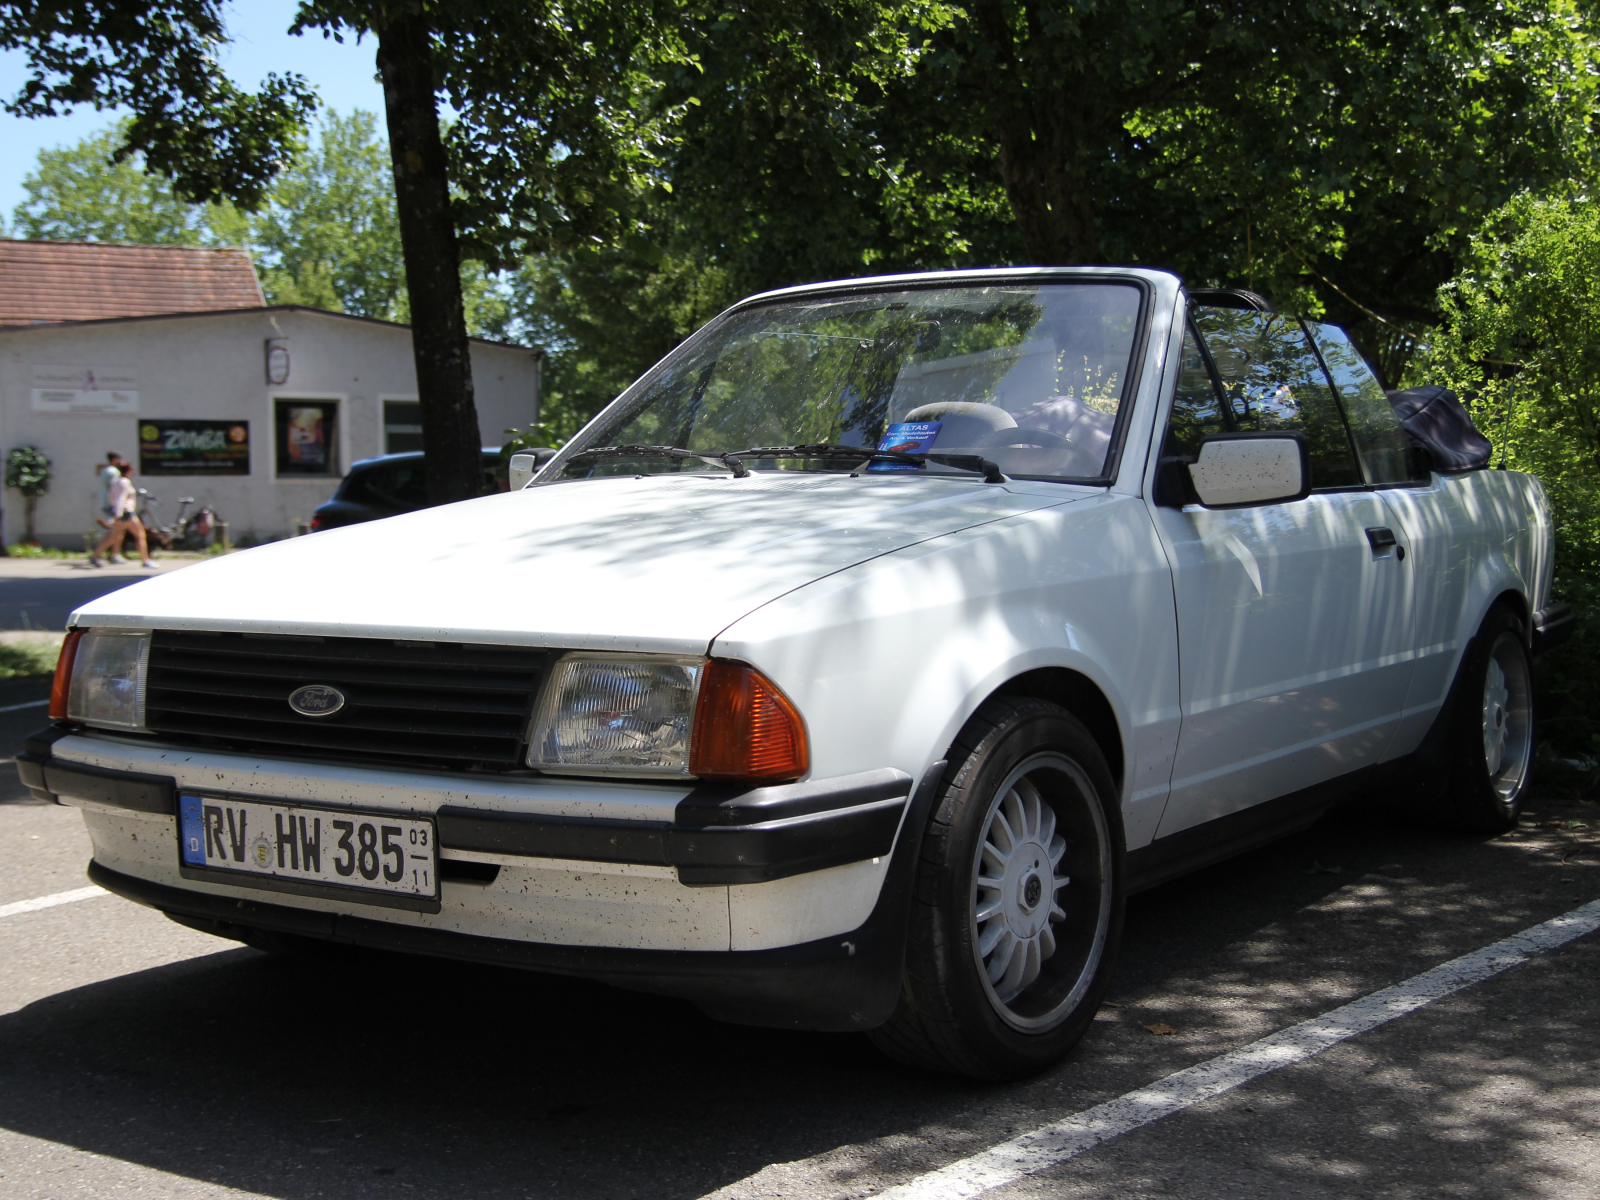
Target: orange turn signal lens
62	683
745	728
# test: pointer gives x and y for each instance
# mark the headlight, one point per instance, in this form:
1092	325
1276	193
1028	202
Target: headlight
601	713
108	679
605	714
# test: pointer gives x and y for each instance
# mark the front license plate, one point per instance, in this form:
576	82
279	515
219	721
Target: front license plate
372	852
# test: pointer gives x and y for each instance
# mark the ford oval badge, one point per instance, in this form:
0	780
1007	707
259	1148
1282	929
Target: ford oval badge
316	700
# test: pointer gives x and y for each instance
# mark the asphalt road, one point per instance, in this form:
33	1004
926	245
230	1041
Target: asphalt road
137	1056
41	593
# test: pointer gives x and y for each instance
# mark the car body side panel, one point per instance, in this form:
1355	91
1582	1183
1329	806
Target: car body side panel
1296	642
887	661
1470	538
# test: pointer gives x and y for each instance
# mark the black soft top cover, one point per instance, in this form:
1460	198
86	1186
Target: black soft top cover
1439	424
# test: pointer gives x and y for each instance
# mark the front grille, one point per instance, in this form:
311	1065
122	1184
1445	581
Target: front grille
451	704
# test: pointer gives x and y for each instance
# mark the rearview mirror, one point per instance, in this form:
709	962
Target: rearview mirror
525	466
1234	470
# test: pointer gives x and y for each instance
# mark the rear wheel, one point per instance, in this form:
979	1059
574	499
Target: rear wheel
1492	739
1019	899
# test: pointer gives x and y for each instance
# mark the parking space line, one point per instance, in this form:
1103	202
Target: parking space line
38	902
25	704
1050	1145
1056	1143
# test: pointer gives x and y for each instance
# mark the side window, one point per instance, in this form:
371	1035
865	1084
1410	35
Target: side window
1196	408
1272	381
1380	442
400	483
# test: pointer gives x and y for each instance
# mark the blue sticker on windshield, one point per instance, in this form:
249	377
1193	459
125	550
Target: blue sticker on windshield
908	437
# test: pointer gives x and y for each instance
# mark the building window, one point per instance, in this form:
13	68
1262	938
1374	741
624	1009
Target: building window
307	436
402	426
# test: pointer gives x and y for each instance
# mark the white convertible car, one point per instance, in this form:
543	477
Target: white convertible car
847	672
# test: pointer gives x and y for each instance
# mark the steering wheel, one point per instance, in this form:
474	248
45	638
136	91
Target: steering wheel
1024	436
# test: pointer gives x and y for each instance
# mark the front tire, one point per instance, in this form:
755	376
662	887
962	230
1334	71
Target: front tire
1019	899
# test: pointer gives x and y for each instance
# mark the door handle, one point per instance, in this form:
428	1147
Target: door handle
1381	538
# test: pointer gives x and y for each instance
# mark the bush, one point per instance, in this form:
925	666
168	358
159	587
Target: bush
28	470
34	657
1521	343
34	550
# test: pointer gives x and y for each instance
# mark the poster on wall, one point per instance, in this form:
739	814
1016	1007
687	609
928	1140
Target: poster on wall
307	437
308	442
194	447
85	390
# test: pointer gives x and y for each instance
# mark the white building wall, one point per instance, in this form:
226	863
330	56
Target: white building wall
213	366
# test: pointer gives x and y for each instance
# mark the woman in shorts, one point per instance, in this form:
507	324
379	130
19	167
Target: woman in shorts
123	500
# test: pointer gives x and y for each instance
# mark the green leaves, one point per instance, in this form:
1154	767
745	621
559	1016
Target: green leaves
82	193
324	232
157	58
327	234
1521	342
28	470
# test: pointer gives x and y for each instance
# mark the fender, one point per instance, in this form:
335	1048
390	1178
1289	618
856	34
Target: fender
917	639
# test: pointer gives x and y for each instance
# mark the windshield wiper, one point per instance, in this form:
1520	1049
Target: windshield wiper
962	462
716	459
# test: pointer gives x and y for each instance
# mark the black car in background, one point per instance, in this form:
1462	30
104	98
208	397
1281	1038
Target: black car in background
389	485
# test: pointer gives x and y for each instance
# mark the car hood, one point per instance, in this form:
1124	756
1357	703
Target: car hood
658	563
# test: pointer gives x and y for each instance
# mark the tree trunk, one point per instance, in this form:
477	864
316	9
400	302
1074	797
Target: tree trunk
30	505
450	438
1047	118
1054	212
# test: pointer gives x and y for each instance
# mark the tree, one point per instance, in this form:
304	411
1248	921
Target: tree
82	193
550	132
157	58
327	235
549	126
1520	341
1334	155
28	470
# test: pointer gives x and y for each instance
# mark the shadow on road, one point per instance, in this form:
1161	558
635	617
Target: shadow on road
380	1075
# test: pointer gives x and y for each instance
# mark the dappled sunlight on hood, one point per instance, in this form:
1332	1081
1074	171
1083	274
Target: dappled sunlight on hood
652	563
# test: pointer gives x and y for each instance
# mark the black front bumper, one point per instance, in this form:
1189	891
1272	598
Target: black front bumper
720	833
842	983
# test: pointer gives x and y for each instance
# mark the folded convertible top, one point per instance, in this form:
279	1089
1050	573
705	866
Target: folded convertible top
1438	423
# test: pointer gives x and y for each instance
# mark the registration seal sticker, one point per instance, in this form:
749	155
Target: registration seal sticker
261	851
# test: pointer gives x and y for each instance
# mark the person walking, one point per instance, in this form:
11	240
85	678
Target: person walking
123	500
109	472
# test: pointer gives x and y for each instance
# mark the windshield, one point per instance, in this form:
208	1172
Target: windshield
1031	376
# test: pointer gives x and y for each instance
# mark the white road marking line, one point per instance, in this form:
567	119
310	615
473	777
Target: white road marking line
26	704
38	902
1052	1144
1062	1140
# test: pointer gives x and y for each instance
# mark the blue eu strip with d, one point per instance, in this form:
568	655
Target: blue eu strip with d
192	819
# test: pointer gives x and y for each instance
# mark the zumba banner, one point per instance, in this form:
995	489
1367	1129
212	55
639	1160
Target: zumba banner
194	447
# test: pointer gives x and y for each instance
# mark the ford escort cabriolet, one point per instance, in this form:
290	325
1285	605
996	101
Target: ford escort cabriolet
848	671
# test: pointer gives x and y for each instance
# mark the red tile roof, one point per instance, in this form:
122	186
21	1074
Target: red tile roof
86	281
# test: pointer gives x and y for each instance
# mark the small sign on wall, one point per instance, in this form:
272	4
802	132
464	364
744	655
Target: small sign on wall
85	390
277	361
194	447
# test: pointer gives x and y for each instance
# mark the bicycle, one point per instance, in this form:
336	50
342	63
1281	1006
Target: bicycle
188	531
